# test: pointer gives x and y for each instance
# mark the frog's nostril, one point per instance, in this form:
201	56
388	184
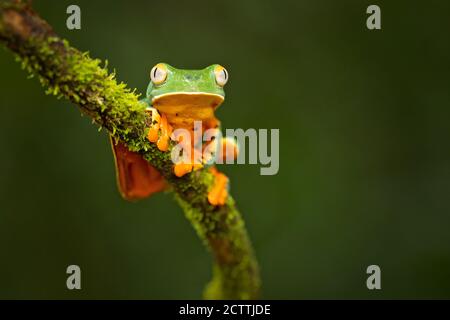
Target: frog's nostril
191	77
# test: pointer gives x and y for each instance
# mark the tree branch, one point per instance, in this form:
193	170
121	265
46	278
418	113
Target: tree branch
66	72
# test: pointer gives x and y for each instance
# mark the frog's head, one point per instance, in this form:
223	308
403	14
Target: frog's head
172	88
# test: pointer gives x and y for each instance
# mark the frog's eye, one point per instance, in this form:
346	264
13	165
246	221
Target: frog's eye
158	74
221	75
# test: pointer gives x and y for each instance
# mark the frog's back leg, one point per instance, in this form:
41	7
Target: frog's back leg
218	194
227	149
136	178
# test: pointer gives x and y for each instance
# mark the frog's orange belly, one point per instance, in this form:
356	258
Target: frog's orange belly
182	109
184	116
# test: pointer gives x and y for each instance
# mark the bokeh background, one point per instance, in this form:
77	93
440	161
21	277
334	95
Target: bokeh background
364	161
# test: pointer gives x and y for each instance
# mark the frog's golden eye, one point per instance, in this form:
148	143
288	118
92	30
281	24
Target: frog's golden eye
221	75
158	74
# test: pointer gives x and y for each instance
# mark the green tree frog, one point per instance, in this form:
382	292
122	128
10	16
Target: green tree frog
176	99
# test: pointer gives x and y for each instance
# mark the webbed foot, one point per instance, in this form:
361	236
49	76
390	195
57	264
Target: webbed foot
180	169
160	130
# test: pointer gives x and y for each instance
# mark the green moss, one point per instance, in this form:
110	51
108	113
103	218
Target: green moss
66	72
235	272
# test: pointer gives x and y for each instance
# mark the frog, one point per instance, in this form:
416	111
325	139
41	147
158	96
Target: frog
178	99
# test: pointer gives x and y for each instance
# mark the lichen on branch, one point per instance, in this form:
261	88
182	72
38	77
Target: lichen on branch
69	73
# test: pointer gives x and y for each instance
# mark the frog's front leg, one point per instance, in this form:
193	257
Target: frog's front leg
192	162
160	130
224	150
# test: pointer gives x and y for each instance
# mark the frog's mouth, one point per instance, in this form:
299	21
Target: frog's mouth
187	100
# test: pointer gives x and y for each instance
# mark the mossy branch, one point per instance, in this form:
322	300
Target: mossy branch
66	72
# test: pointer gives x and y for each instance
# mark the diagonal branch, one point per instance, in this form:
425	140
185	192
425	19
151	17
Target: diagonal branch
66	72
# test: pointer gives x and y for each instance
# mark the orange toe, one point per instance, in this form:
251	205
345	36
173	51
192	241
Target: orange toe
153	133
163	143
154	127
180	169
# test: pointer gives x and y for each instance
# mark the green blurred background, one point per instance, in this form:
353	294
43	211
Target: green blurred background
364	161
